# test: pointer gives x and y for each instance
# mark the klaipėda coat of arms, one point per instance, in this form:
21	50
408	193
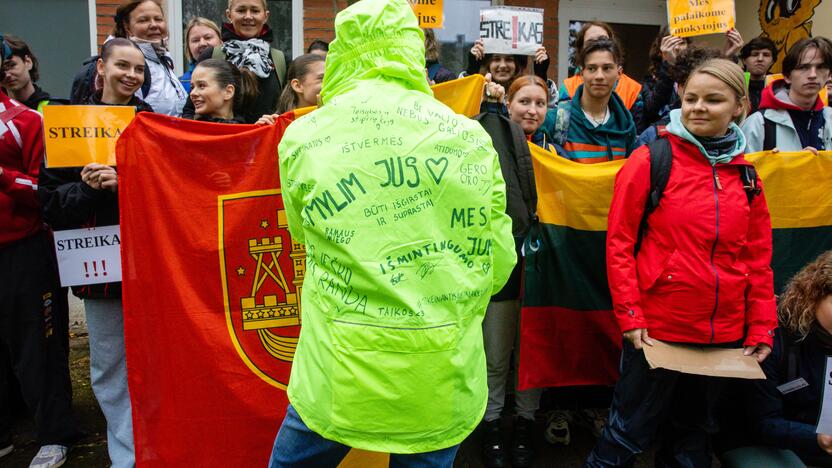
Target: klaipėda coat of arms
262	275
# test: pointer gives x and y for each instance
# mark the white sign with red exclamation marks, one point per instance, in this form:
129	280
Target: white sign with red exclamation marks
511	30
89	256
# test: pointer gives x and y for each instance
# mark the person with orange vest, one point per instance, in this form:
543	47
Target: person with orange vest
628	89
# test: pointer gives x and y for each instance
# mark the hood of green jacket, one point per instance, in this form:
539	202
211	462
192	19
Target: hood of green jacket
375	39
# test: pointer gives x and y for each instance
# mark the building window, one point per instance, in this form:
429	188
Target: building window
462	28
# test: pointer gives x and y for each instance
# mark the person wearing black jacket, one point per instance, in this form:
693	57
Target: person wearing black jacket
783	410
501	325
76	198
21	75
247	44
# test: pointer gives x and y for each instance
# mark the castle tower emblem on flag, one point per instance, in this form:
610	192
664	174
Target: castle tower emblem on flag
263	270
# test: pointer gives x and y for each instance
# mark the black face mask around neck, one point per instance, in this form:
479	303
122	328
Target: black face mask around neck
821	334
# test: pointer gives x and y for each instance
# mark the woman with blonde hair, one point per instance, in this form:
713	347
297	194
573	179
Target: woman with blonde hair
688	264
247	40
200	34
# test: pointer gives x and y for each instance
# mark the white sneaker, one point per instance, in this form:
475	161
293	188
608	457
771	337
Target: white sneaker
6	450
50	456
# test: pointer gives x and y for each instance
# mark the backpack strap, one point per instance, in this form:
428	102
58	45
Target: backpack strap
525	170
789	365
661	159
562	118
769	134
146	84
748	175
279	61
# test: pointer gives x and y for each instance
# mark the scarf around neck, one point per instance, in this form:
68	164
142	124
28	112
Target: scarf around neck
252	54
719	149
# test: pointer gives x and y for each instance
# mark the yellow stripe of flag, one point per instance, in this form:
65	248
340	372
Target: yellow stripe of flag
573	194
798	187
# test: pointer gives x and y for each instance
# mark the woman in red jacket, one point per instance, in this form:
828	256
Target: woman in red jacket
701	274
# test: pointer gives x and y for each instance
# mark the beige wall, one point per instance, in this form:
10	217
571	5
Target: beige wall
748	22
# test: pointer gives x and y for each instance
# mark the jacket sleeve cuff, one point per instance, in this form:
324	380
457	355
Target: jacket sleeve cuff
759	335
631	318
89	191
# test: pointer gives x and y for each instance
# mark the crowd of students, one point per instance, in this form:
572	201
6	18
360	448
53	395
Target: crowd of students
700	244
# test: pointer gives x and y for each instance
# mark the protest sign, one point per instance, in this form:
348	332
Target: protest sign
89	256
699	360
429	12
698	17
80	135
825	419
511	30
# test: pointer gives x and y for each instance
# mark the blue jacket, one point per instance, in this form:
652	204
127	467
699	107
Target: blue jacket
185	79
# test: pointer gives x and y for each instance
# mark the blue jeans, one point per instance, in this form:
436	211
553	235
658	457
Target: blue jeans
297	446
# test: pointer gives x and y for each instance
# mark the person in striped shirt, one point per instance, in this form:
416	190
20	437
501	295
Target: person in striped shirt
595	125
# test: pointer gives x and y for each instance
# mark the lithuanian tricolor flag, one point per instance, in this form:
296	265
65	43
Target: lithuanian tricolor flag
798	189
569	335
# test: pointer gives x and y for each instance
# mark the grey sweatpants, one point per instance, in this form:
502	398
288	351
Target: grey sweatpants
501	333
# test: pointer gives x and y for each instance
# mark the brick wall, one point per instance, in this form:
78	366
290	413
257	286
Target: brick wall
319	20
104	12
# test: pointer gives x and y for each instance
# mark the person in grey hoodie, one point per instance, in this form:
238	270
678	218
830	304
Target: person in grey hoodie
792	116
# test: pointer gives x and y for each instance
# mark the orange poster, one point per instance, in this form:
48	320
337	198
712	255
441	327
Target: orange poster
429	12
80	135
699	17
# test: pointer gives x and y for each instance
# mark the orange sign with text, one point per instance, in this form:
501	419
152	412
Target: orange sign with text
429	12
79	135
699	17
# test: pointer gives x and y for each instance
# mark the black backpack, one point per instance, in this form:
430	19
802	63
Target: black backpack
661	158
512	148
83	85
769	134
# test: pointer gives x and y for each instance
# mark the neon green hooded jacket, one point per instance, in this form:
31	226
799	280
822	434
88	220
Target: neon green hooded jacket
401	205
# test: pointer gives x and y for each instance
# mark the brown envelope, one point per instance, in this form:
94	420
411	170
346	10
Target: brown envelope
692	359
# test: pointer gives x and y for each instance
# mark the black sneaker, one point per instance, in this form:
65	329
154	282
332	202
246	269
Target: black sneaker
522	454
493	450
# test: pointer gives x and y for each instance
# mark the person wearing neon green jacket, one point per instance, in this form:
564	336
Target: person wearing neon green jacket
400	203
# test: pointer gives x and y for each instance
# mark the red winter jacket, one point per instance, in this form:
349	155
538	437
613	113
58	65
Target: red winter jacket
21	151
703	272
